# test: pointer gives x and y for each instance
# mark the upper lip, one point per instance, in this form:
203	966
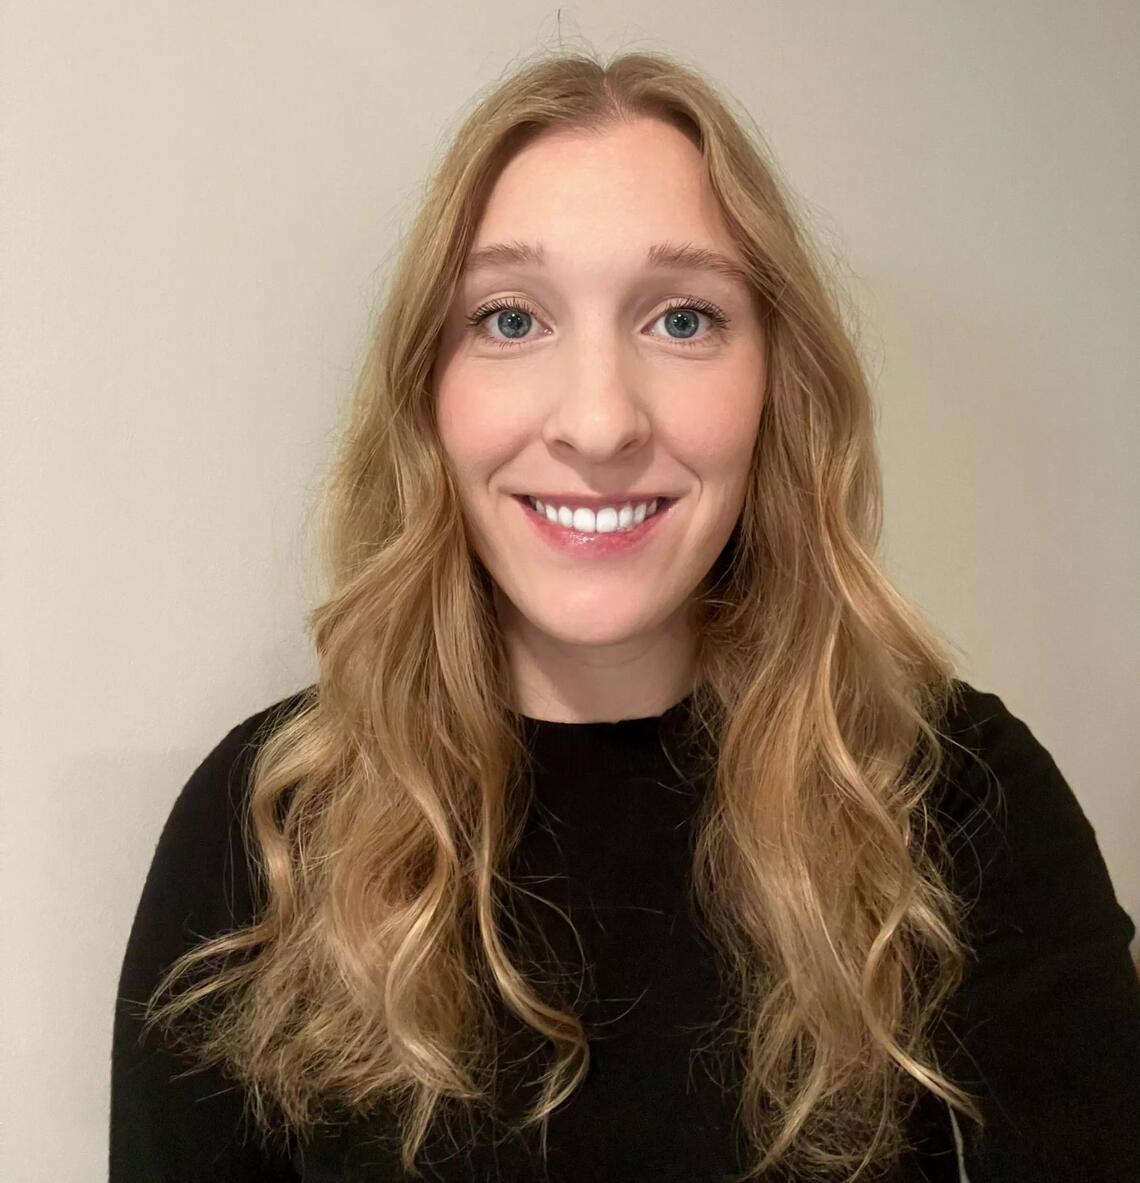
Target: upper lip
594	501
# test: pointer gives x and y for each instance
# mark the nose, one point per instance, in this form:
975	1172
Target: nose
597	410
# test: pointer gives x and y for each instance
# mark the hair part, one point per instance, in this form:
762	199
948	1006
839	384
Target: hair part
382	814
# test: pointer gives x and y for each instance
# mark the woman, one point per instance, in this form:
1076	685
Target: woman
635	828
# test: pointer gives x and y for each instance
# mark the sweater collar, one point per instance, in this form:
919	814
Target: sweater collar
624	746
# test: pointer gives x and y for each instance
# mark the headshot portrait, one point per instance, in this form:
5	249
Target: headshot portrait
613	698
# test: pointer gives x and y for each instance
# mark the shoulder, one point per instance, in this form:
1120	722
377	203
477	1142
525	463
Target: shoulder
982	730
1045	1025
218	785
1017	831
995	763
220	775
200	867
200	884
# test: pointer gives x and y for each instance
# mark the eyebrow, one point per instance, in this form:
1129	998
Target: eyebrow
684	257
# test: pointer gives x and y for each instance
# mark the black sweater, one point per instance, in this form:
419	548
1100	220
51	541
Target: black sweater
1046	1025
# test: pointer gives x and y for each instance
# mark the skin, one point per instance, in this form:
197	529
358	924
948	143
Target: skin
595	395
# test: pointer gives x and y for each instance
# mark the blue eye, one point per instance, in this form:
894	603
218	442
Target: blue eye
515	318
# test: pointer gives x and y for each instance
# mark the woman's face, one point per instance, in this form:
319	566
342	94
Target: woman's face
600	379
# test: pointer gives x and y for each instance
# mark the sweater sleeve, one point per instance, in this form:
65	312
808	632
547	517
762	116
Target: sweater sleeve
1046	1028
170	1120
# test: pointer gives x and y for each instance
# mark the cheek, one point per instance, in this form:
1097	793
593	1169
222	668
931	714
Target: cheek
715	433
479	424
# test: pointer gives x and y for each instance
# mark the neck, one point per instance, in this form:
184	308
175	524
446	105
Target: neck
560	681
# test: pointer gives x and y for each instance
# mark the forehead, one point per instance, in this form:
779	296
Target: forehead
634	191
564	172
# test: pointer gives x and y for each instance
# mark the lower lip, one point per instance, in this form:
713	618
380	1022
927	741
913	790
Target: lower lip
576	542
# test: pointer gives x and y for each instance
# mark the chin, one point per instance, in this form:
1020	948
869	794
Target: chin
588	629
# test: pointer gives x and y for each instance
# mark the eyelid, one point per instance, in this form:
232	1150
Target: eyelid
720	321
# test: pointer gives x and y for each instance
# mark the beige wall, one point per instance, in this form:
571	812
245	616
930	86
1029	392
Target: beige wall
198	204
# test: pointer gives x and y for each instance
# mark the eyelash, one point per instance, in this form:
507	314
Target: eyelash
502	304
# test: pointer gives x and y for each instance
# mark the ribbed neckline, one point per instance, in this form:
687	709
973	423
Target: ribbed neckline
623	746
641	726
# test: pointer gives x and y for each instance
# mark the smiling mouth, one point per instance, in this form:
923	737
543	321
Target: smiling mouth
608	520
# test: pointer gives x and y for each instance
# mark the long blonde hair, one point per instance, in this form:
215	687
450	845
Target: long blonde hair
382	812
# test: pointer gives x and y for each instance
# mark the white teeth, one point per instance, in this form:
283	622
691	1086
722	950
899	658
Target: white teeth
604	521
584	520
